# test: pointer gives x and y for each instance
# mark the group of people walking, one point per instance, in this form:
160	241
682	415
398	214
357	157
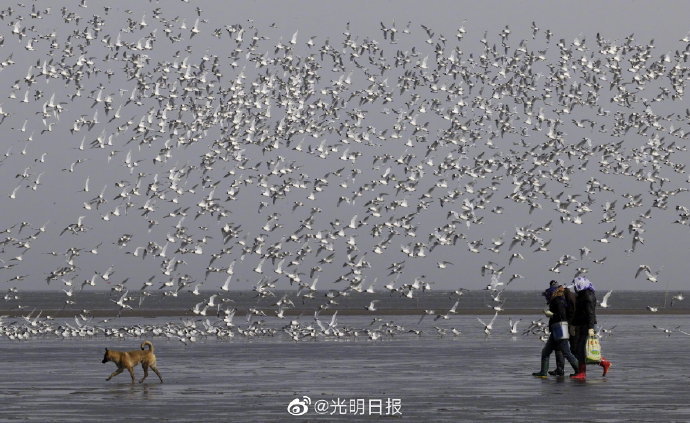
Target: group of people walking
572	316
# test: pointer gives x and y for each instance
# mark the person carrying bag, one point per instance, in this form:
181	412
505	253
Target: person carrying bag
570	312
558	327
585	320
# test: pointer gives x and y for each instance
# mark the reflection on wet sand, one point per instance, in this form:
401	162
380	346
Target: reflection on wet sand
136	391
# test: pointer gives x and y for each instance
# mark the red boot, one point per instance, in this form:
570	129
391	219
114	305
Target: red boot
605	364
581	372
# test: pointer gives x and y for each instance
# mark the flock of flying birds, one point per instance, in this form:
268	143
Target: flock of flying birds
219	157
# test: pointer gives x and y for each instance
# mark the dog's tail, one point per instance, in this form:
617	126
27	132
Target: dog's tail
147	343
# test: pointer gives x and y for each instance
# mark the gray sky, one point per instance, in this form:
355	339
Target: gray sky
262	150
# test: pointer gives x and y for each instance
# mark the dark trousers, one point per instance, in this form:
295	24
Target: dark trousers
578	339
562	348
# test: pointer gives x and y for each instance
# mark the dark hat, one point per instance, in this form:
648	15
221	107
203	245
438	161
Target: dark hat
548	293
553	283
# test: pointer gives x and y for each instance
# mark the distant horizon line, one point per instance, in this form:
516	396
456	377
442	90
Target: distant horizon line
154	313
328	290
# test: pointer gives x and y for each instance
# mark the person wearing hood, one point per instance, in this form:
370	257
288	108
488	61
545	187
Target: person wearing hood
584	321
558	326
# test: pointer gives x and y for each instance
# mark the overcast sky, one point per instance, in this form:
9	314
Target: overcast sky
289	178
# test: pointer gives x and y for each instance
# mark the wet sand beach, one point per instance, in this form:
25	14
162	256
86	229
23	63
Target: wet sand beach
468	378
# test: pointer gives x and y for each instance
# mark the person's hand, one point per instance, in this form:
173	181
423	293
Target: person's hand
548	312
591	332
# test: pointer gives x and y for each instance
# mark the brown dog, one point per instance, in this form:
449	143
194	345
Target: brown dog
129	359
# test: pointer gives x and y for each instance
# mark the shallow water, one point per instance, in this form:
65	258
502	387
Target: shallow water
636	301
465	378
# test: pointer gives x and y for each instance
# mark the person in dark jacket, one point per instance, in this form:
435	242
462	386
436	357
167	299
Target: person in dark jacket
558	339
584	321
570	299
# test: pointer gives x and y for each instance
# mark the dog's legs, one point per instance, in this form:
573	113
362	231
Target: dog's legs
146	371
131	373
115	373
157	373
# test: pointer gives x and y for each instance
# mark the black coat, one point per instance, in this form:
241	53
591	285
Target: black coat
570	299
585	305
557	306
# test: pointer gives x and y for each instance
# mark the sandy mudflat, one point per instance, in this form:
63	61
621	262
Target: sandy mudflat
468	378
